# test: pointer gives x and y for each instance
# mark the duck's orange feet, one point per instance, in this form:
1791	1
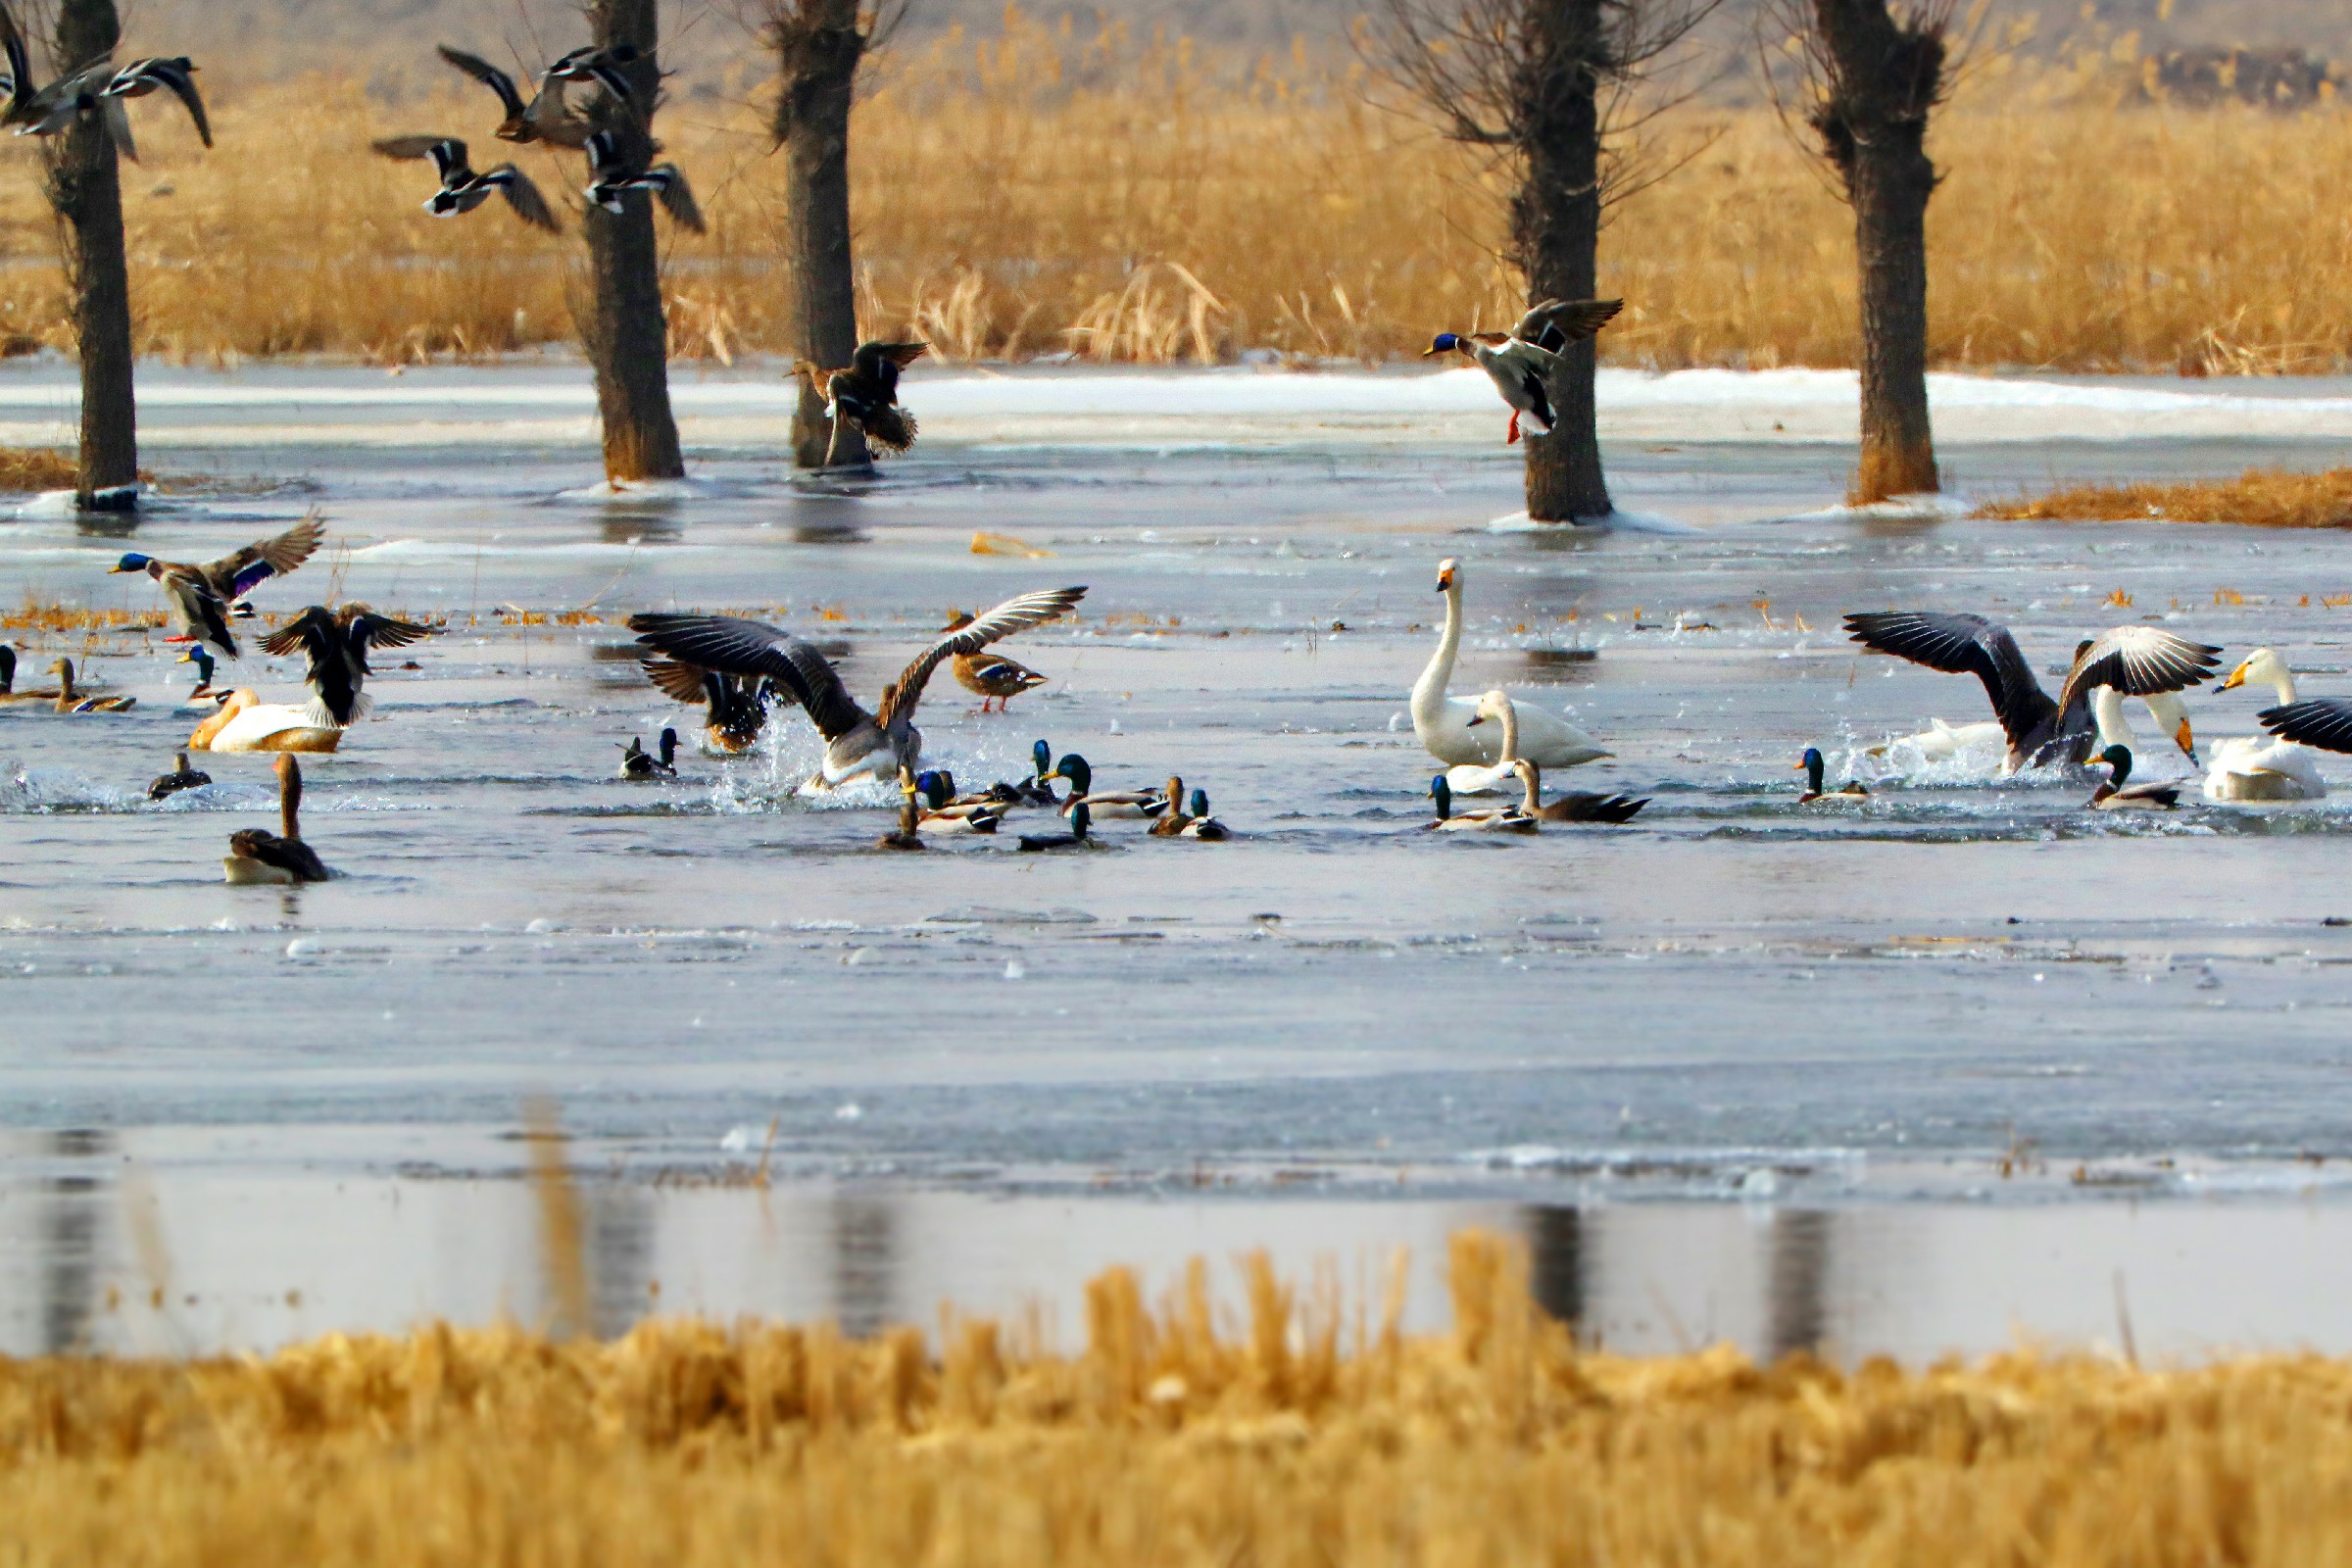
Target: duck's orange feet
1513	438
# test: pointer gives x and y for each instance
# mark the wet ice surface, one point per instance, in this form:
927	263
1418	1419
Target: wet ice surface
1732	998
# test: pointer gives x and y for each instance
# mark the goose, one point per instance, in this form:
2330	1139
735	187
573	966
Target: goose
1940	742
636	763
276	859
867	392
737	704
991	676
1199	824
337	642
1122	805
143	77
908	835
228	579
2259	767
72	700
1575	807
1444	723
2117	795
943	814
463	190
1081	820
857	744
1811	765
1492	819
546	118
1172	821
617	166
2137	661
243	722
181	778
1521	361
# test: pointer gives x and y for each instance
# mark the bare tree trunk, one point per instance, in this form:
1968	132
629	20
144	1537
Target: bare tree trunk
818	45
622	324
85	192
1555	230
1885	79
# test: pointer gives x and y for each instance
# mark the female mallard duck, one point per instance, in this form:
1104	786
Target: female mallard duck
2262	768
990	675
867	392
72	700
2116	795
546	118
942	814
1127	804
181	778
1173	820
276	859
1521	361
337	642
243	722
857	744
620	162
908	835
1574	807
1199	824
206	595
636	763
1812	765
1444	724
461	189
1081	821
1492	819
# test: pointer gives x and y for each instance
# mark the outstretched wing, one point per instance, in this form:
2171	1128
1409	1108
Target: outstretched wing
448	153
20	65
552	121
268	558
869	355
524	197
2137	661
178	75
2322	721
677	199
1013	614
676	679
489	75
1960	645
1555	323
367	630
313	632
117	116
749	648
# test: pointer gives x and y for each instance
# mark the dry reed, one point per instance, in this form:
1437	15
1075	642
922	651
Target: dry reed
37	468
2262	497
1298	1434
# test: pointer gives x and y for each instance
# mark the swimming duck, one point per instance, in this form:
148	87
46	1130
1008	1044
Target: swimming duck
1037	789
70	700
990	675
1199	824
857	744
998	795
231	577
1492	819
2261	768
203	661
1130	804
8	682
1174	819
1574	807
463	190
143	77
2116	795
2137	661
546	118
243	722
1811	764
636	763
1444	723
737	704
1081	821
868	393
276	859
618	165
181	778
944	814
337	642
908	835
1521	361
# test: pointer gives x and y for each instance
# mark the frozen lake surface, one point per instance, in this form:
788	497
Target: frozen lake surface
1962	991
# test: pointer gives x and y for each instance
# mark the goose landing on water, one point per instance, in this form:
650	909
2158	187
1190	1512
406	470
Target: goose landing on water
1444	723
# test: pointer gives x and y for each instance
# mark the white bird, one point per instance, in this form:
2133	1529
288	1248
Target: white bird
1941	742
1470	778
2114	730
2261	768
246	723
1444	723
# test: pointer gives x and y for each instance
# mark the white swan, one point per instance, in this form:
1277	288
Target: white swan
2261	767
1943	742
2107	712
1442	722
246	723
1469	778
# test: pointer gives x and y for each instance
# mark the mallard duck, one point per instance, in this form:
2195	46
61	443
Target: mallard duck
602	65
867	392
47	111
1574	807
228	579
463	190
1037	789
1081	823
2134	659
2262	768
1445	724
857	744
2117	795
1811	765
990	675
243	722
1199	824
1120	804
276	859
8	681
1173	820
143	77
181	778
547	117
908	835
737	705
998	795
1492	819
944	814
203	662
71	699
618	165
337	643
1521	361
638	763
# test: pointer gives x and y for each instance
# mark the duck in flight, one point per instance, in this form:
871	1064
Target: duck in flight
2137	660
991	676
461	189
618	165
867	392
737	706
1521	361
337	642
206	596
857	744
175	72
546	118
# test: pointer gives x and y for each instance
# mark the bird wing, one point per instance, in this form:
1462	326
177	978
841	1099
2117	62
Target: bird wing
19	65
184	87
313	632
1960	645
489	75
747	647
268	557
1013	614
677	199
367	630
446	152
2137	661
524	197
552	121
868	359
206	611
1555	323
604	155
2322	721
676	679
117	116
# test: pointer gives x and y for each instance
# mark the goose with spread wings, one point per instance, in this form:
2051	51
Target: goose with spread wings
461	189
2137	660
738	708
545	117
337	642
1521	361
857	744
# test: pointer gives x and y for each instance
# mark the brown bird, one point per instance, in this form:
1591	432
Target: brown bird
908	835
1172	822
276	859
738	704
989	675
546	118
71	699
1574	807
868	393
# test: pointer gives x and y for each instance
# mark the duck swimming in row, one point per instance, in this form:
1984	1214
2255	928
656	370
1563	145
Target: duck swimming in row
546	118
276	859
1521	361
1124	805
1811	764
1199	824
181	778
636	763
867	392
463	190
1077	838
857	744
1445	724
942	813
619	164
1576	805
337	642
2262	768
2118	795
736	706
206	595
72	700
991	676
1491	819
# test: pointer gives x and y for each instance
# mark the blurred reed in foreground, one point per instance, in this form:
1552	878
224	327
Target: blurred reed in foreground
2267	497
1301	1435
1049	189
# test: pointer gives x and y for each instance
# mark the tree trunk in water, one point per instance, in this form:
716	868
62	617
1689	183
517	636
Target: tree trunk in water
1556	231
85	192
1885	79
819	46
622	323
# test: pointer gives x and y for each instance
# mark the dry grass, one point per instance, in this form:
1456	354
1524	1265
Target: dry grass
1298	1436
2265	497
1057	189
37	468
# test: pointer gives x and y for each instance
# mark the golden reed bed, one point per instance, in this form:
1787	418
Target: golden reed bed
1300	1437
1042	189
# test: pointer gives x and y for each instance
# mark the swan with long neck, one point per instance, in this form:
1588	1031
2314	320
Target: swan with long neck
1444	723
1494	707
2262	768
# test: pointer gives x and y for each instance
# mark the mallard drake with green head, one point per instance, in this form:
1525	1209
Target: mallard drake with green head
2116	793
620	162
1813	765
1110	804
463	190
1077	838
1199	824
194	588
1521	361
638	763
177	73
942	814
1492	819
280	858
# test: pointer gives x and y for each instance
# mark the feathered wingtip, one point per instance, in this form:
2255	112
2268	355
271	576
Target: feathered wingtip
318	716
890	427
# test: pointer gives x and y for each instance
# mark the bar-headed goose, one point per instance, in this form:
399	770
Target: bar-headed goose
1444	723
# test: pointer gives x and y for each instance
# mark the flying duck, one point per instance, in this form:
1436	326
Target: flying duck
2116	795
617	165
1521	361
868	393
181	778
276	859
143	77
990	675
856	743
463	190
546	118
235	575
2137	660
737	704
337	643
602	65
636	763
1811	764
